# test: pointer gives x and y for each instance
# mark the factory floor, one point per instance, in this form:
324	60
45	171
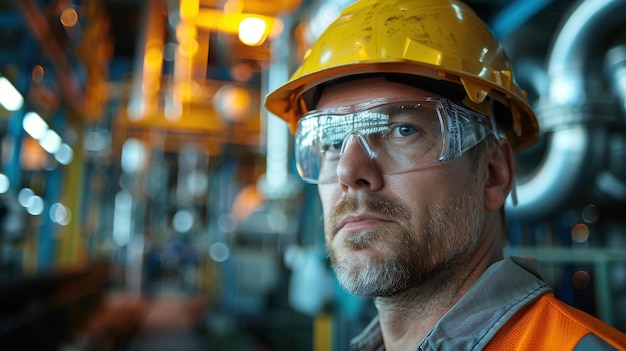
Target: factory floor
128	322
166	322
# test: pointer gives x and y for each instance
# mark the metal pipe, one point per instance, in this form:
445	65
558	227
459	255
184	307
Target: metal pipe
574	116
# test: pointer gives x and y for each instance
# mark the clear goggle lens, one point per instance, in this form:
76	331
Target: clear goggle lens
400	136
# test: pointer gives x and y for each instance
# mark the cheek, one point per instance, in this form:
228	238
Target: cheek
329	195
328	199
421	193
418	191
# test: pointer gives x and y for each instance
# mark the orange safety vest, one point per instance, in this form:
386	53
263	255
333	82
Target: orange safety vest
550	324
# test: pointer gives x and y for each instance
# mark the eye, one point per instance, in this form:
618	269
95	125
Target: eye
333	145
332	148
336	145
403	130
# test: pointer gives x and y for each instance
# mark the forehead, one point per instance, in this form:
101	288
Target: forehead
360	91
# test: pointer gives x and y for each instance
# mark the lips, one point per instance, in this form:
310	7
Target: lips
360	221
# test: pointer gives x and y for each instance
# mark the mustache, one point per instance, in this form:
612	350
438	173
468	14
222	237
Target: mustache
389	207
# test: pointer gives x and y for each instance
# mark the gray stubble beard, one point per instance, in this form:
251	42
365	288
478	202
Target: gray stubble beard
427	259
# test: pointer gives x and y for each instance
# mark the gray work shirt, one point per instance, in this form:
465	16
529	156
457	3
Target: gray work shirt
503	289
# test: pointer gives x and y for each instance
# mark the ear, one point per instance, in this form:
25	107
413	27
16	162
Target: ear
499	175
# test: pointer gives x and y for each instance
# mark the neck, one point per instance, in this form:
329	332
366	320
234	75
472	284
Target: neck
408	316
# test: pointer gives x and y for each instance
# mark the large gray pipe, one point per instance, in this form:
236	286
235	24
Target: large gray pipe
573	114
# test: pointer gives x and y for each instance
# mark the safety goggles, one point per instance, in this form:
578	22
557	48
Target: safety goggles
398	136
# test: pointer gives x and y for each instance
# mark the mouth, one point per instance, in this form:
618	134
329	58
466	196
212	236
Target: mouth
358	222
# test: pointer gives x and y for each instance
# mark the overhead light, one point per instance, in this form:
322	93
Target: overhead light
10	98
51	141
5	183
48	139
211	19
34	125
252	31
64	154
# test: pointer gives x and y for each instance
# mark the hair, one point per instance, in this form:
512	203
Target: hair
476	153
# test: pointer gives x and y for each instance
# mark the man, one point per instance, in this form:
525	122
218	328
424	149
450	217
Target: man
406	115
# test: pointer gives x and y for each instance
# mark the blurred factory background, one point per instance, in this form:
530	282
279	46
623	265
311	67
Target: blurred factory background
149	202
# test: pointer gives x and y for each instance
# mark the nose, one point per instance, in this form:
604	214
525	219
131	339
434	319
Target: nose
362	141
357	168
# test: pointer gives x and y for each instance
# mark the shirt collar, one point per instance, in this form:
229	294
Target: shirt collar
502	290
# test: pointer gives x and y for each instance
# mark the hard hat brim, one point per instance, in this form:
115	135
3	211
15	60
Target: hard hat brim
286	102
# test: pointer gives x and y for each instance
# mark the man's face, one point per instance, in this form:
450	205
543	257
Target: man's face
385	233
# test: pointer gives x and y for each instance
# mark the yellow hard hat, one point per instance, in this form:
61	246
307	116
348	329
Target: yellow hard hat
438	39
